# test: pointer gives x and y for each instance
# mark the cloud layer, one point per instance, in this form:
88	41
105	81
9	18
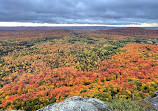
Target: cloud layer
110	12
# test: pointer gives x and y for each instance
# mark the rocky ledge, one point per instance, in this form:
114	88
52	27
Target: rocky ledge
77	103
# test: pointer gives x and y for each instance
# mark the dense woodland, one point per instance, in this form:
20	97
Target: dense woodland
41	67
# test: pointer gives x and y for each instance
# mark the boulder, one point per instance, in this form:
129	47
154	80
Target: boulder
77	103
153	100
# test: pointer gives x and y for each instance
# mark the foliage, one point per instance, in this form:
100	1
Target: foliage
35	72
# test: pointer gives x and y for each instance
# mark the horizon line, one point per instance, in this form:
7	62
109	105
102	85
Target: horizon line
31	24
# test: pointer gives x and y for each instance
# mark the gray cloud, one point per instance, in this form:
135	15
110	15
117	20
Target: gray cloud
80	11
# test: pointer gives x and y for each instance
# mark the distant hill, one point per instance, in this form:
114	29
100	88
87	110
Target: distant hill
151	28
130	31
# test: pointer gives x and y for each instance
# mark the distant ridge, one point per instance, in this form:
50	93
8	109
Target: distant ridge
129	31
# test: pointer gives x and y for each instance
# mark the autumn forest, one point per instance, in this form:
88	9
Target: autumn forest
39	67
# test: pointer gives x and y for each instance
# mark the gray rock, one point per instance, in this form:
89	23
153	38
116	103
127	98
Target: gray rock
153	100
77	103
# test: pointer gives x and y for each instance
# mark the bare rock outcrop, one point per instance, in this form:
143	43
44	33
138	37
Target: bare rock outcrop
77	103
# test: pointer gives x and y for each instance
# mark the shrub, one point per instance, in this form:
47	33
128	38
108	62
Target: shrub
124	105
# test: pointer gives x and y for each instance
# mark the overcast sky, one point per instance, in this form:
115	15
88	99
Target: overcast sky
106	12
